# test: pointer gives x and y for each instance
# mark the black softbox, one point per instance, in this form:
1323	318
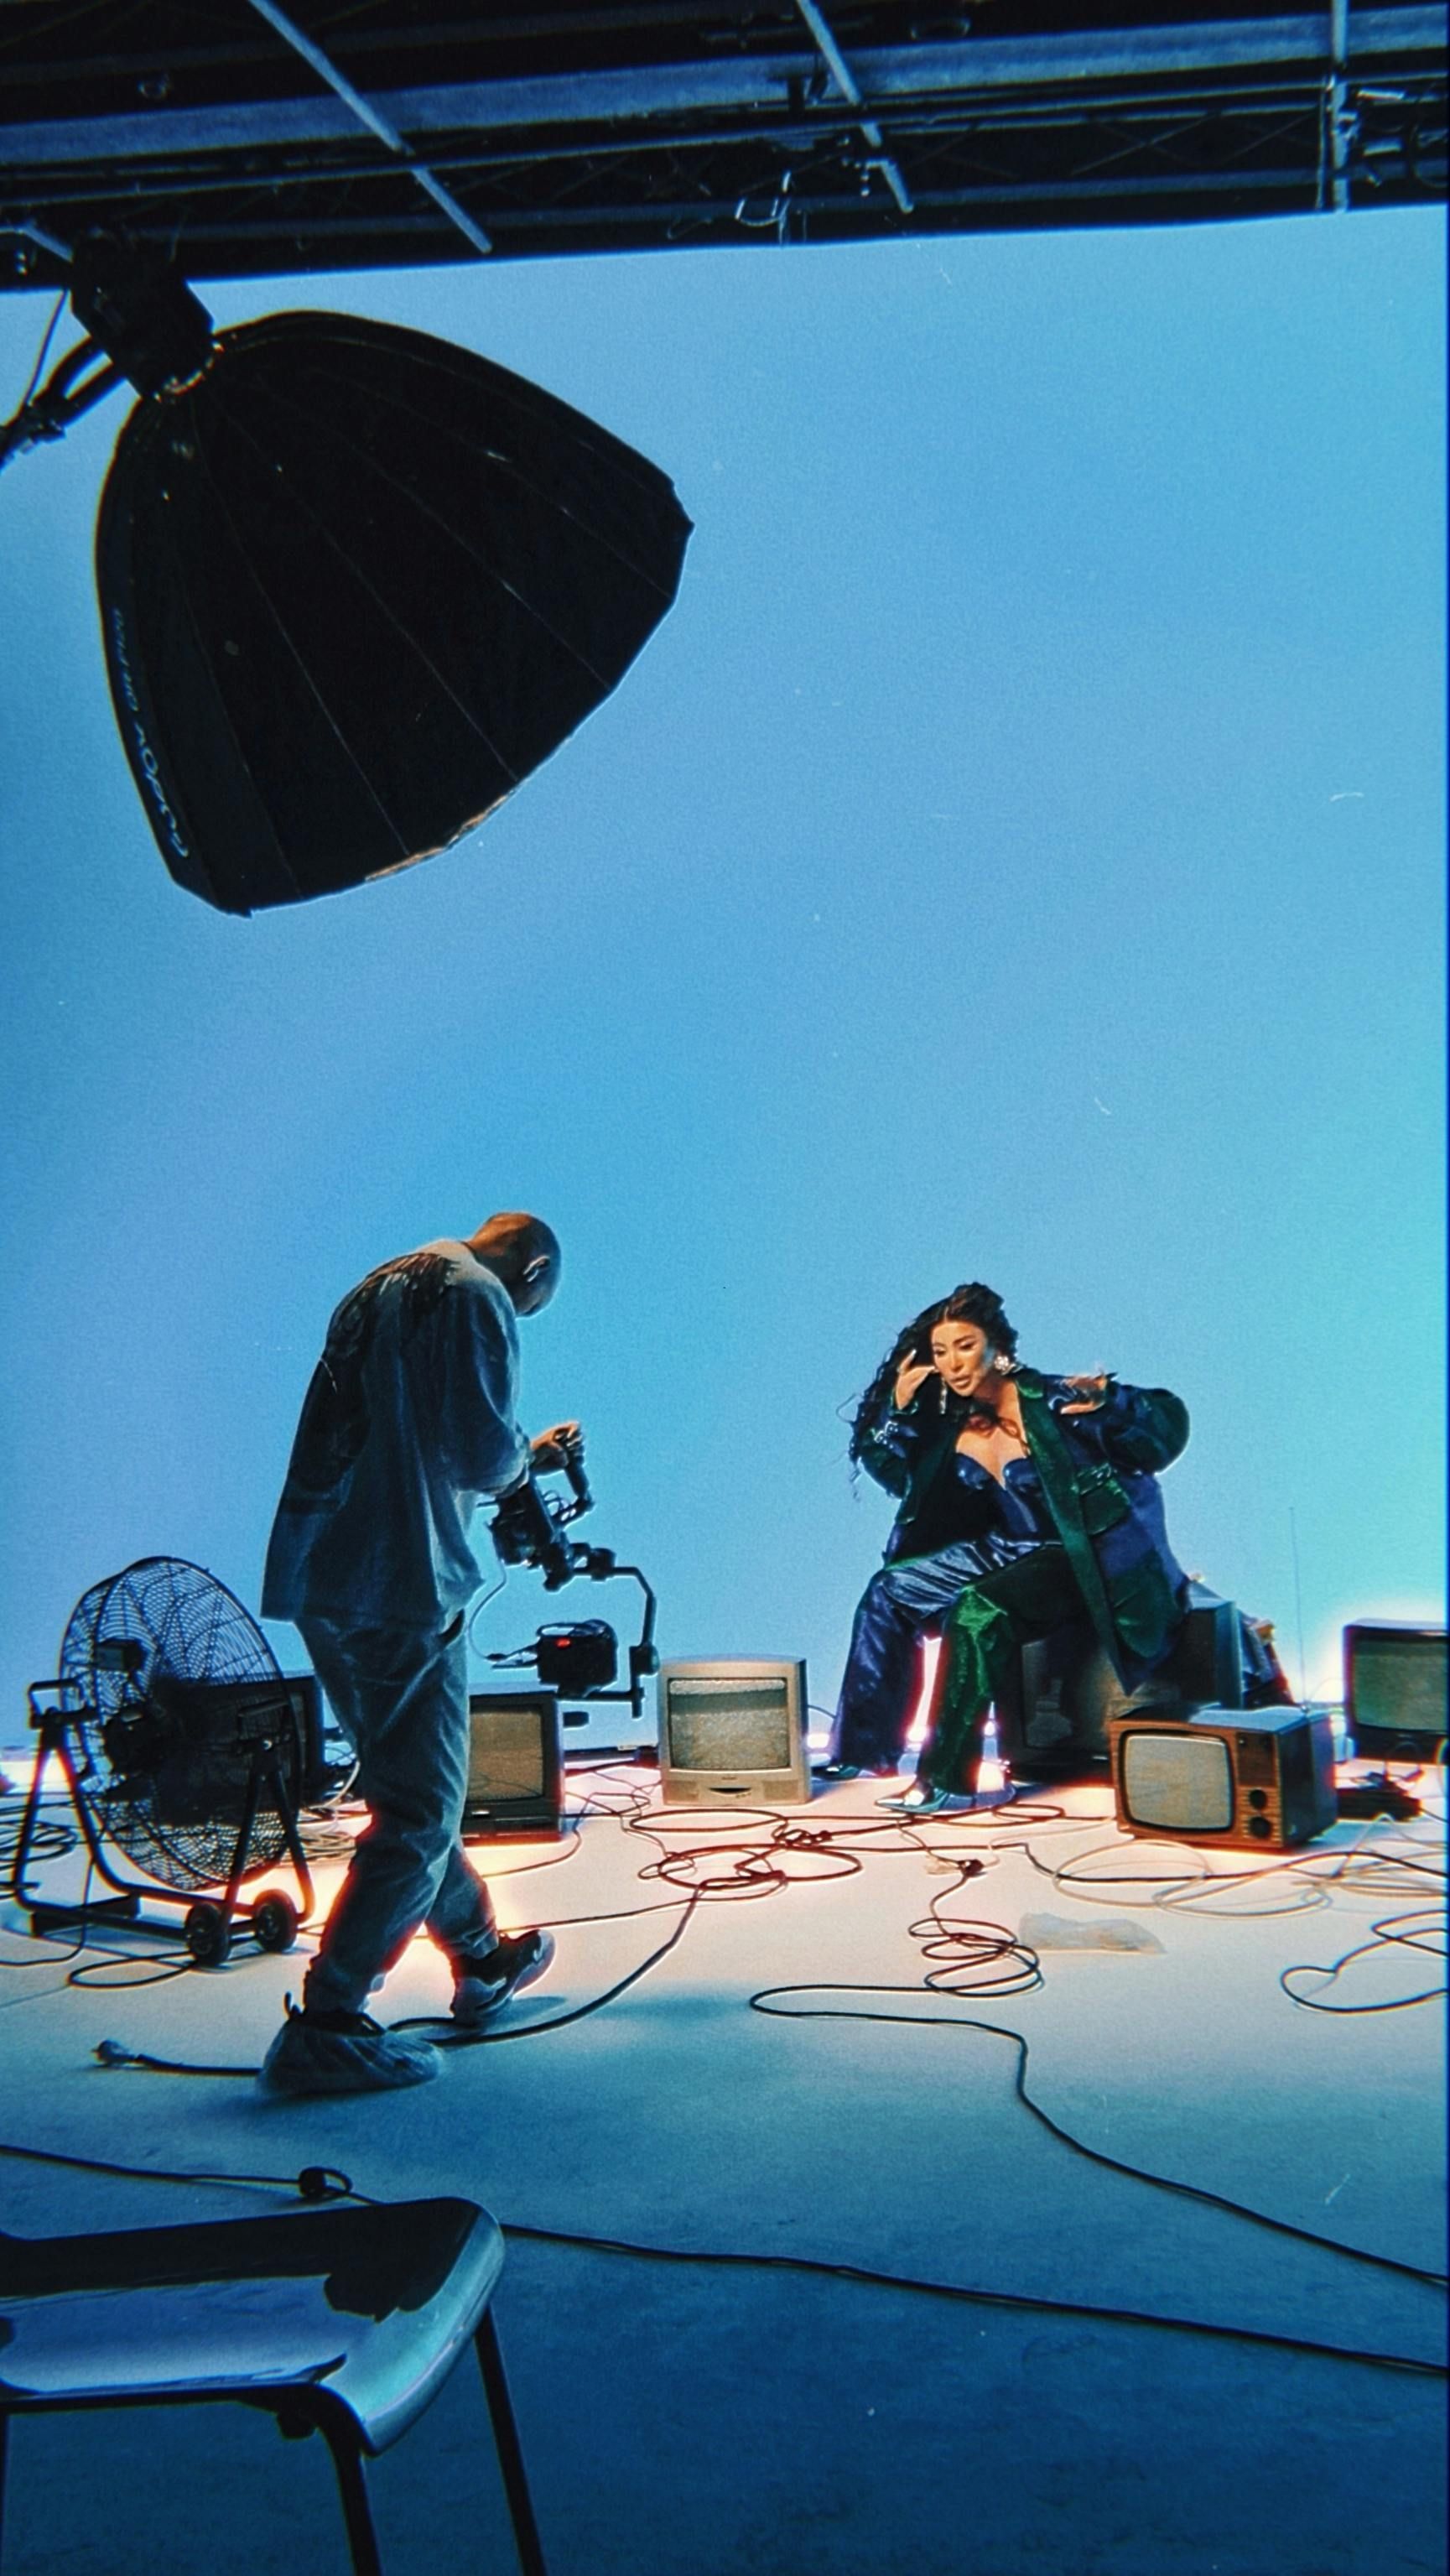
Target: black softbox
355	583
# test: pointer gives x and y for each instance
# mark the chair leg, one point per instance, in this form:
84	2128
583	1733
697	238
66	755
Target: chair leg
356	2511
510	2452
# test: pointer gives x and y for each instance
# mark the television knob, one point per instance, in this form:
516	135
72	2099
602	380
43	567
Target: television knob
1260	1827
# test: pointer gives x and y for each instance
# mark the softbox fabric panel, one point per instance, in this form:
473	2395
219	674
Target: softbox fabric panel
355	583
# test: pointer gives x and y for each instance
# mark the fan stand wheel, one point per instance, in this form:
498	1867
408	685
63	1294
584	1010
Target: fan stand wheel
208	1935
274	1921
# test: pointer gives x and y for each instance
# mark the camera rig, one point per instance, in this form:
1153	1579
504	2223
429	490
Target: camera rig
580	1659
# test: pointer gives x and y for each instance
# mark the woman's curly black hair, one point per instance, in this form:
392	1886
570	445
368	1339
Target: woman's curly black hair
970	1304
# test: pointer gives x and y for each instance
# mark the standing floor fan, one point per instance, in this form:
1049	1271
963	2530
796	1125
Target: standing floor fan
184	1746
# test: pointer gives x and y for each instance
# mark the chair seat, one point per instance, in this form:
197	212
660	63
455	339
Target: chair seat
364	2309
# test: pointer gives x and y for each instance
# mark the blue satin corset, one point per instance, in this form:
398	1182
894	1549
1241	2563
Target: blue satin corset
1018	1505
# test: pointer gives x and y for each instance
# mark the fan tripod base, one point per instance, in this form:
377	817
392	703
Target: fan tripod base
46	1918
207	1930
272	1918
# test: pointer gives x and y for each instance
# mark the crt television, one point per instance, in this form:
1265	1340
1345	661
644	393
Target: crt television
1394	1688
515	1768
1254	1779
732	1732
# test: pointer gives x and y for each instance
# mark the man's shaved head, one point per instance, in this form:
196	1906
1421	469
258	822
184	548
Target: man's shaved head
523	1253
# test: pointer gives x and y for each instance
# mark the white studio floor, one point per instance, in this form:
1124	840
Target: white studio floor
684	2419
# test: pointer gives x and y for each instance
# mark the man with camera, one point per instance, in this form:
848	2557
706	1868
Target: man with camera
407	1425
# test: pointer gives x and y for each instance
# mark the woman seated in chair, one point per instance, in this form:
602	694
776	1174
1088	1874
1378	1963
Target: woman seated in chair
1026	1501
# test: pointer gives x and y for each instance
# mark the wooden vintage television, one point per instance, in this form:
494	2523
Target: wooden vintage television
732	1732
1253	1779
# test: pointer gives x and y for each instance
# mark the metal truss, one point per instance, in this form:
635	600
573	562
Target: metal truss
373	133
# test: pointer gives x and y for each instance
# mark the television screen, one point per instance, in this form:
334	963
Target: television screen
1179	1781
1395	1680
506	1756
728	1723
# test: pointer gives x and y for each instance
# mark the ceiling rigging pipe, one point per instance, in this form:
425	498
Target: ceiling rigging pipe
378	124
850	89
1338	118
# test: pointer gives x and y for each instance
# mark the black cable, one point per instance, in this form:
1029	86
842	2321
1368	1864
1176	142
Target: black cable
50	1839
1321	1868
314	2182
975	1957
445	2033
57	1955
1317	1873
972	1957
110	2052
158	1967
482	1603
569	1844
977	2298
453	2037
761	1868
963	1946
1382	1936
620	1914
763	2001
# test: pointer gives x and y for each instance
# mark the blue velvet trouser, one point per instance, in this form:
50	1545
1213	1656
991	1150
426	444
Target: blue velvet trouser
401	1694
902	1604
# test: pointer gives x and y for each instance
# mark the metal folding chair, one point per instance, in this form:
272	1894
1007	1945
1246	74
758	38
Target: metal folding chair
340	2321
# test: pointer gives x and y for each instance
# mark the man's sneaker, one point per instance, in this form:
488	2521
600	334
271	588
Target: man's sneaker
481	1985
344	2052
853	1770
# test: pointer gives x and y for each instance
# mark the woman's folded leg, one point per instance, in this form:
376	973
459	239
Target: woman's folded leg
902	1604
993	1617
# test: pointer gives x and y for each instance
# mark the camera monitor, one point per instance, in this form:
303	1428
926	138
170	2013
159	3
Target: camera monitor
732	1731
1394	1688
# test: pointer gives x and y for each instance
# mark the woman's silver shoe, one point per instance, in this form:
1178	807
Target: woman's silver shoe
918	1799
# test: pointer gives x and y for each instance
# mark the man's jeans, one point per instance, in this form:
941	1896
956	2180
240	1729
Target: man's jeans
401	1694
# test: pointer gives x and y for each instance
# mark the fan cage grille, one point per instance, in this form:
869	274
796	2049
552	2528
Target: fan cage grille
174	1688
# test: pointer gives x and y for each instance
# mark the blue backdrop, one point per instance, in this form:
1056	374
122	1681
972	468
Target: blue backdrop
1017	857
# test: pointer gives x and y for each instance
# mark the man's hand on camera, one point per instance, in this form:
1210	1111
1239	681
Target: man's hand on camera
552	1449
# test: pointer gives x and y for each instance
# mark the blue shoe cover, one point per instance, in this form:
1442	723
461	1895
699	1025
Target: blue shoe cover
344	2053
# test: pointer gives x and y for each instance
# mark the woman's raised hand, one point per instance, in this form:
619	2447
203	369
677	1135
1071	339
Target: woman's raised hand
1092	1386
911	1374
